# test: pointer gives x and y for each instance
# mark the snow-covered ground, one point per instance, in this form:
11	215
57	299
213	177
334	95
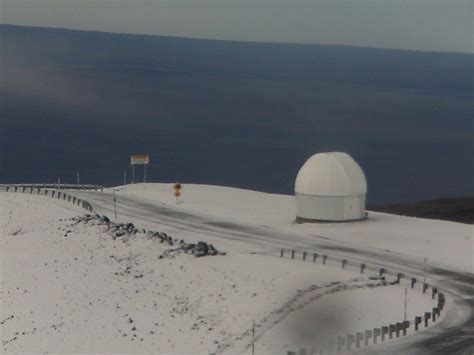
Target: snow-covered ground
69	287
441	242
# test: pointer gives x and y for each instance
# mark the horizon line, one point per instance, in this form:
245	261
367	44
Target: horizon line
233	40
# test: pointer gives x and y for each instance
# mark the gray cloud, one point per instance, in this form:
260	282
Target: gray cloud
439	25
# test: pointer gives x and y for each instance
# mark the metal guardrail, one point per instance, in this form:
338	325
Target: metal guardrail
52	192
344	344
15	187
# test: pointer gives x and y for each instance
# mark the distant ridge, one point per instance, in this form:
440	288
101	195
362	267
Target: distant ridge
450	209
227	40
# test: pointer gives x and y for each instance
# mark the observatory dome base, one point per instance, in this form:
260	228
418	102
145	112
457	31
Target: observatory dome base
330	208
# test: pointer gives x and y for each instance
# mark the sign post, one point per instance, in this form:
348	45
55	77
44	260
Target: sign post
139	159
177	191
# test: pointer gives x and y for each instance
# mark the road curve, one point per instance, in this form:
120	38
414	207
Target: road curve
453	335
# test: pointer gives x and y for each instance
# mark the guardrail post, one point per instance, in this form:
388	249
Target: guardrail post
350	340
413	282
406	325
391	330
304	256
292	254
384	332
434	291
315	256
367	336
343	263
7	189
359	338
381	271
427	318
417	322
341	342
441	300
324	259
377	332
362	268
425	287
398	328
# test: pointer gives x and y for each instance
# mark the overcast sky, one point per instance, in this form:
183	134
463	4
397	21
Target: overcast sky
439	25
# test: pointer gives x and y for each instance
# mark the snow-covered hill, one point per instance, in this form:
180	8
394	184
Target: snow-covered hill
71	287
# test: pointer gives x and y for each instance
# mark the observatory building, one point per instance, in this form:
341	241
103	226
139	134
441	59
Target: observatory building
330	187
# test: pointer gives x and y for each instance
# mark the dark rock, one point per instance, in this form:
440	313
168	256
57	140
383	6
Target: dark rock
212	250
202	247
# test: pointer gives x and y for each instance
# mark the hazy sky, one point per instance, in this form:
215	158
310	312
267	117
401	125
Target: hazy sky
440	25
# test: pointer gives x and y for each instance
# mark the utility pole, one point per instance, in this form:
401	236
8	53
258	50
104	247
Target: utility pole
405	313
124	177
115	205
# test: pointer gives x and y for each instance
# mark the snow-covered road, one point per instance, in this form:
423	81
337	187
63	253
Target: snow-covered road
454	335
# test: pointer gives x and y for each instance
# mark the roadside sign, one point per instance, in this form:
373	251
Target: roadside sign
177	191
139	159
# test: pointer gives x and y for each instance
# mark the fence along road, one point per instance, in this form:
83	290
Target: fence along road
454	335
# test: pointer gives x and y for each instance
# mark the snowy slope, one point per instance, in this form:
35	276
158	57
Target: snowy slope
441	242
72	288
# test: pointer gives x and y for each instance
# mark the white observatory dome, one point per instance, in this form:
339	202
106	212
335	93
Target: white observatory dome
330	187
